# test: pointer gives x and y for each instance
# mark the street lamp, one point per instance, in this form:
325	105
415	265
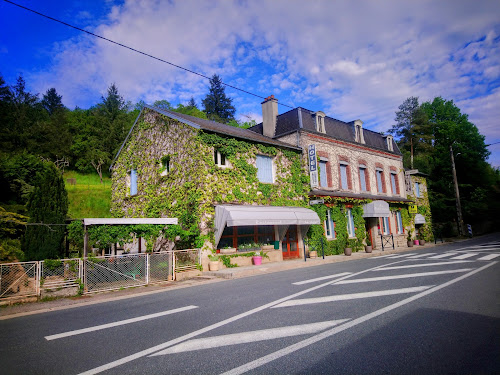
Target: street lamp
461	230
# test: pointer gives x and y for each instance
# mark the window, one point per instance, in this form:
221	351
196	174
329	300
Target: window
265	169
219	159
393	183
380	178
237	236
344	184
322	173
362	177
320	122
165	165
350	223
417	189
329	226
133	182
390	147
385	226
399	222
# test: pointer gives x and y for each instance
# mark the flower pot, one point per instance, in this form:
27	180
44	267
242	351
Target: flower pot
313	254
213	265
415	242
422	242
257	260
409	243
368	248
347	251
231	250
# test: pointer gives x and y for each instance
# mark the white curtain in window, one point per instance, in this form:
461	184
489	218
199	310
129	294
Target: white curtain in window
350	223
264	169
133	182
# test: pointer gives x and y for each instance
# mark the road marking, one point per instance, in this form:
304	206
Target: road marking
323	335
381	256
410	275
209	328
443	255
119	323
423	265
346	297
489	257
321	278
465	256
248	337
401	256
421	255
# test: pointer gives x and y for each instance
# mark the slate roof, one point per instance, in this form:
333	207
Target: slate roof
301	118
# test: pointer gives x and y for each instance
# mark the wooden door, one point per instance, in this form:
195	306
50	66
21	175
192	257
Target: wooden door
290	243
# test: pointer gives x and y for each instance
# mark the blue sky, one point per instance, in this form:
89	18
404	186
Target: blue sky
350	59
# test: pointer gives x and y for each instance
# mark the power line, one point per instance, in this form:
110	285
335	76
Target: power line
136	50
491	144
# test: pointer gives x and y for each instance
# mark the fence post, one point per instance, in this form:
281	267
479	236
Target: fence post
147	268
38	278
173	266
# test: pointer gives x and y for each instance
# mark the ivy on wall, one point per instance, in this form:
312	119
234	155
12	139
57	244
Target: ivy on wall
194	184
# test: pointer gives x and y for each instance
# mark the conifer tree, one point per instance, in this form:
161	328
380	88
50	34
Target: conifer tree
48	204
217	105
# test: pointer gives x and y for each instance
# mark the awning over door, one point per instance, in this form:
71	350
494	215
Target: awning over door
376	209
233	216
419	219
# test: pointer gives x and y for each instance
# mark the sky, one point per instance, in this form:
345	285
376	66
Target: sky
349	59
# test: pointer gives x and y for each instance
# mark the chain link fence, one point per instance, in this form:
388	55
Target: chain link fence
93	274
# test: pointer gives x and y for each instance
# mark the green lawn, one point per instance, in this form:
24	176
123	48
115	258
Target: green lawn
88	197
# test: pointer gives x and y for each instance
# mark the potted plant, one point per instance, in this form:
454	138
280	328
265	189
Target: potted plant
421	240
213	264
368	246
257	258
348	248
409	241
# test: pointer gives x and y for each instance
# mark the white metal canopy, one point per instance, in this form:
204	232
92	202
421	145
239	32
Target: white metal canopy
419	219
376	209
232	216
130	221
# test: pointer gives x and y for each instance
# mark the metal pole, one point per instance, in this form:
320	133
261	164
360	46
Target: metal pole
457	195
305	255
323	247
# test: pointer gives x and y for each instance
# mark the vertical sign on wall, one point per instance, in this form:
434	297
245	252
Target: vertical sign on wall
313	166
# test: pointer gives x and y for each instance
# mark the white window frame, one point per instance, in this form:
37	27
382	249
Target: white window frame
385	225
132	182
399	222
417	189
344	182
323	176
379	174
393	183
329	226
350	224
218	157
260	175
362	178
320	123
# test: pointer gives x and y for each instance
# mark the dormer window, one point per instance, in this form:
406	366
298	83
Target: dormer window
358	131
320	122
389	143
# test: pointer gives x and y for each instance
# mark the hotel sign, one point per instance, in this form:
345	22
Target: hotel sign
313	166
412	209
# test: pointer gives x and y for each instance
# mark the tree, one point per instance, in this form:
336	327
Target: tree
192	103
52	102
217	105
47	211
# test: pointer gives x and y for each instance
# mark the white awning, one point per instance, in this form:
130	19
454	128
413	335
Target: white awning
130	221
376	209
419	219
233	216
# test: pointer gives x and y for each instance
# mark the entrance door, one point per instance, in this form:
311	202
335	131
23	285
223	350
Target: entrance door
290	243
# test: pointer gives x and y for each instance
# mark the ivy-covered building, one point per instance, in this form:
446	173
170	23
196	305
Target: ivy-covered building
356	175
227	186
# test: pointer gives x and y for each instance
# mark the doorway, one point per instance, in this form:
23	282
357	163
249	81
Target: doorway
290	243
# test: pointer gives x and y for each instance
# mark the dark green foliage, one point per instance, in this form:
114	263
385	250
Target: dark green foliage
48	204
216	104
52	102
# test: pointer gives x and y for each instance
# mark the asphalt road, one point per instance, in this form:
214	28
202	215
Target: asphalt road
427	311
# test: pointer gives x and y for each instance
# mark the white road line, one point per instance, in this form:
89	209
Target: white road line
421	255
489	257
465	256
248	337
406	276
347	297
321	278
119	323
423	265
401	256
382	256
209	328
321	336
443	256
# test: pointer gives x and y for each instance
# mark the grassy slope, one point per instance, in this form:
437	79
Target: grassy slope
88	198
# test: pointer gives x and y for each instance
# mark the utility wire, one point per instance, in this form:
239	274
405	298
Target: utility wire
136	50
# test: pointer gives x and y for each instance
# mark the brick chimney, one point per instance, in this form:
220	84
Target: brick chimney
269	115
